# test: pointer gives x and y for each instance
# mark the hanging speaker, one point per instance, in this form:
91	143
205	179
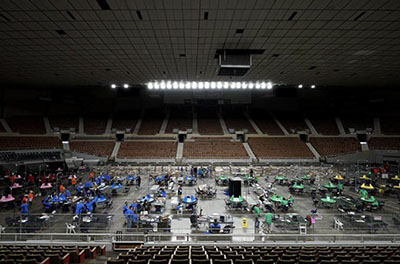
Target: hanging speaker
235	187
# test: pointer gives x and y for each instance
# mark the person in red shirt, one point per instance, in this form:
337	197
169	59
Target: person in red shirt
31	179
12	179
43	180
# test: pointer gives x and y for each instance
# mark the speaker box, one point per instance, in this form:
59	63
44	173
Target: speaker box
64	136
235	187
120	136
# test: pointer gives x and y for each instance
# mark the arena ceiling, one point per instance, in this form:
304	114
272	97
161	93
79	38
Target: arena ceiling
99	42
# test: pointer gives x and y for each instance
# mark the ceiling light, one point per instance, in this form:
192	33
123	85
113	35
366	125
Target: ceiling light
244	85
194	85
226	85
169	85
300	86
312	86
181	85
219	85
263	85
200	85
175	85
162	85
126	86
207	85
149	85
238	85
187	85
258	85
113	86
233	85
269	85
251	85
156	85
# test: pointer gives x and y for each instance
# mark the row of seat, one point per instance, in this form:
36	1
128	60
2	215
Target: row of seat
147	149
279	147
14	254
97	148
258	255
330	146
215	148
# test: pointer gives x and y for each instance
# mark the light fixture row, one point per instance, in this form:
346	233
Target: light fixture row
114	86
181	85
311	86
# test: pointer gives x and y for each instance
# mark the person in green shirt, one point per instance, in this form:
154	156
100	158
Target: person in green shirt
257	211
255	180
340	188
268	221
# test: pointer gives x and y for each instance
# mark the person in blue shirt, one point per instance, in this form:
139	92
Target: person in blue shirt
88	185
89	206
79	189
162	193
80	208
215	227
125	207
24	208
67	194
129	217
134	206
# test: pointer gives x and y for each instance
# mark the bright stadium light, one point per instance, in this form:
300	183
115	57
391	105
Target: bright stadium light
300	86
126	86
162	85
194	85
113	86
312	86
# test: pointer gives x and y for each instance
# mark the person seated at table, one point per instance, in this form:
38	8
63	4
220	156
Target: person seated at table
134	206
79	189
67	194
125	207
290	201
24	208
47	205
284	205
193	220
162	193
80	208
215	227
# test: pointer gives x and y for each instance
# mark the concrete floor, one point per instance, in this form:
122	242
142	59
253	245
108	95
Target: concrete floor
181	224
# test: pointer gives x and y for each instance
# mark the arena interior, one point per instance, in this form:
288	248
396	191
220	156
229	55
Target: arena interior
199	131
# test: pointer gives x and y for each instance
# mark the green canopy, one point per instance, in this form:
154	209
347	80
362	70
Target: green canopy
363	193
328	199
222	178
371	199
279	178
306	177
236	199
277	199
297	186
330	185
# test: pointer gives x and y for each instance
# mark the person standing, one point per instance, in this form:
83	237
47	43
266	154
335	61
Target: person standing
268	221
138	181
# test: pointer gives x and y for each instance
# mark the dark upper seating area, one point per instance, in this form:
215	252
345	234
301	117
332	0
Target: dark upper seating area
358	122
147	149
390	125
27	124
64	122
265	122
214	147
330	146
384	143
292	121
2	129
208	122
181	119
325	125
95	125
151	122
255	254
279	147
235	119
14	143
123	122
97	148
